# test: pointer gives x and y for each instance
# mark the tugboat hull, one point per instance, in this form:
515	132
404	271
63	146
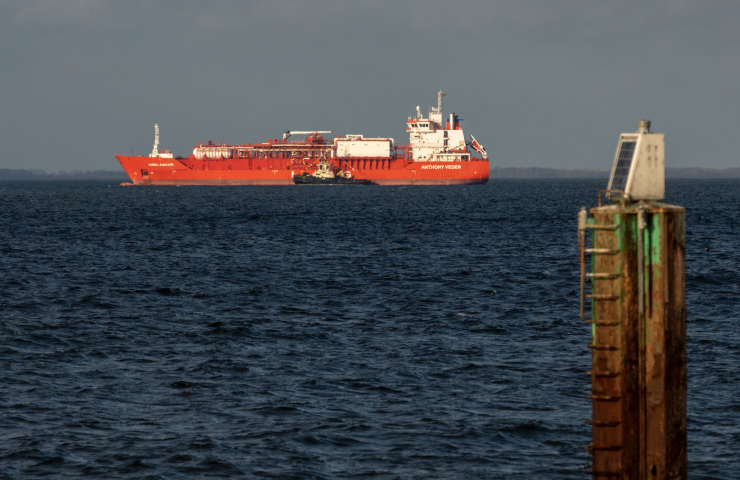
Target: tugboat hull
311	180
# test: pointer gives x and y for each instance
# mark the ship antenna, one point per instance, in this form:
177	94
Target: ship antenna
438	110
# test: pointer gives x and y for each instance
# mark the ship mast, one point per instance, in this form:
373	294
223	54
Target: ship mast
155	150
435	115
438	110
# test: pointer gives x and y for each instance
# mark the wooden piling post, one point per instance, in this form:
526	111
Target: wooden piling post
638	341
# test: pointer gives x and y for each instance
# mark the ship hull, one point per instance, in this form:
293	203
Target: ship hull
170	171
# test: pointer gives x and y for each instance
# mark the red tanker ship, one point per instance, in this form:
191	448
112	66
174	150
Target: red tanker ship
437	154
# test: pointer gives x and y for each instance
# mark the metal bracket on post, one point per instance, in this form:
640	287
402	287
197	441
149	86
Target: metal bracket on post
608	191
641	224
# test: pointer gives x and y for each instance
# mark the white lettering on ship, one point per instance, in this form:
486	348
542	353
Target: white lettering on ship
161	164
437	167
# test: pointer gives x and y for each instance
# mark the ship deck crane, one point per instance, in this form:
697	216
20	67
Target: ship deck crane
478	147
295	132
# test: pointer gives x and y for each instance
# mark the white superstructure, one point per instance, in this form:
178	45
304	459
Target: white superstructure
431	140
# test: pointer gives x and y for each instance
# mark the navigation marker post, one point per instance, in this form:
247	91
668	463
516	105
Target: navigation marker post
638	317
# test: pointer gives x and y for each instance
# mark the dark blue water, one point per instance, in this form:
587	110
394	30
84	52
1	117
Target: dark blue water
329	332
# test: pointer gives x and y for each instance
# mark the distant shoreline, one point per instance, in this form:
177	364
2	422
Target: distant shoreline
19	174
496	173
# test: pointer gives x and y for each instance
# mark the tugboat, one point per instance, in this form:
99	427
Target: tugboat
324	175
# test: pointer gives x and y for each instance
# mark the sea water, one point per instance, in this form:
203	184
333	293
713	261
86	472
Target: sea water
328	332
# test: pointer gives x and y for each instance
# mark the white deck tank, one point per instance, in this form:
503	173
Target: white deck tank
358	146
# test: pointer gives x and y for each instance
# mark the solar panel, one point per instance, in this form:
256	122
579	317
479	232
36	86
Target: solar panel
624	162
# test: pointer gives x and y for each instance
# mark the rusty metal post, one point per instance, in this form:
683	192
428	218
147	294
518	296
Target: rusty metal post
638	343
582	221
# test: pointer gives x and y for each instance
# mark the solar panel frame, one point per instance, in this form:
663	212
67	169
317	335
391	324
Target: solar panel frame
623	163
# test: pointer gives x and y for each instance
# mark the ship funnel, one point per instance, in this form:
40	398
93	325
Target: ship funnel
643	126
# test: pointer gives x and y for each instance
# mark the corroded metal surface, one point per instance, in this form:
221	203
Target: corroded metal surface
638	360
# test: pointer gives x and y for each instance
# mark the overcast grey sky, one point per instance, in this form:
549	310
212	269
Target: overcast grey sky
539	83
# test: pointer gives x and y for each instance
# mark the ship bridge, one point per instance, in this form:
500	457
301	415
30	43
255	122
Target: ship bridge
436	139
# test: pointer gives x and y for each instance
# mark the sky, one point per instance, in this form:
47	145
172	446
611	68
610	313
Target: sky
538	83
